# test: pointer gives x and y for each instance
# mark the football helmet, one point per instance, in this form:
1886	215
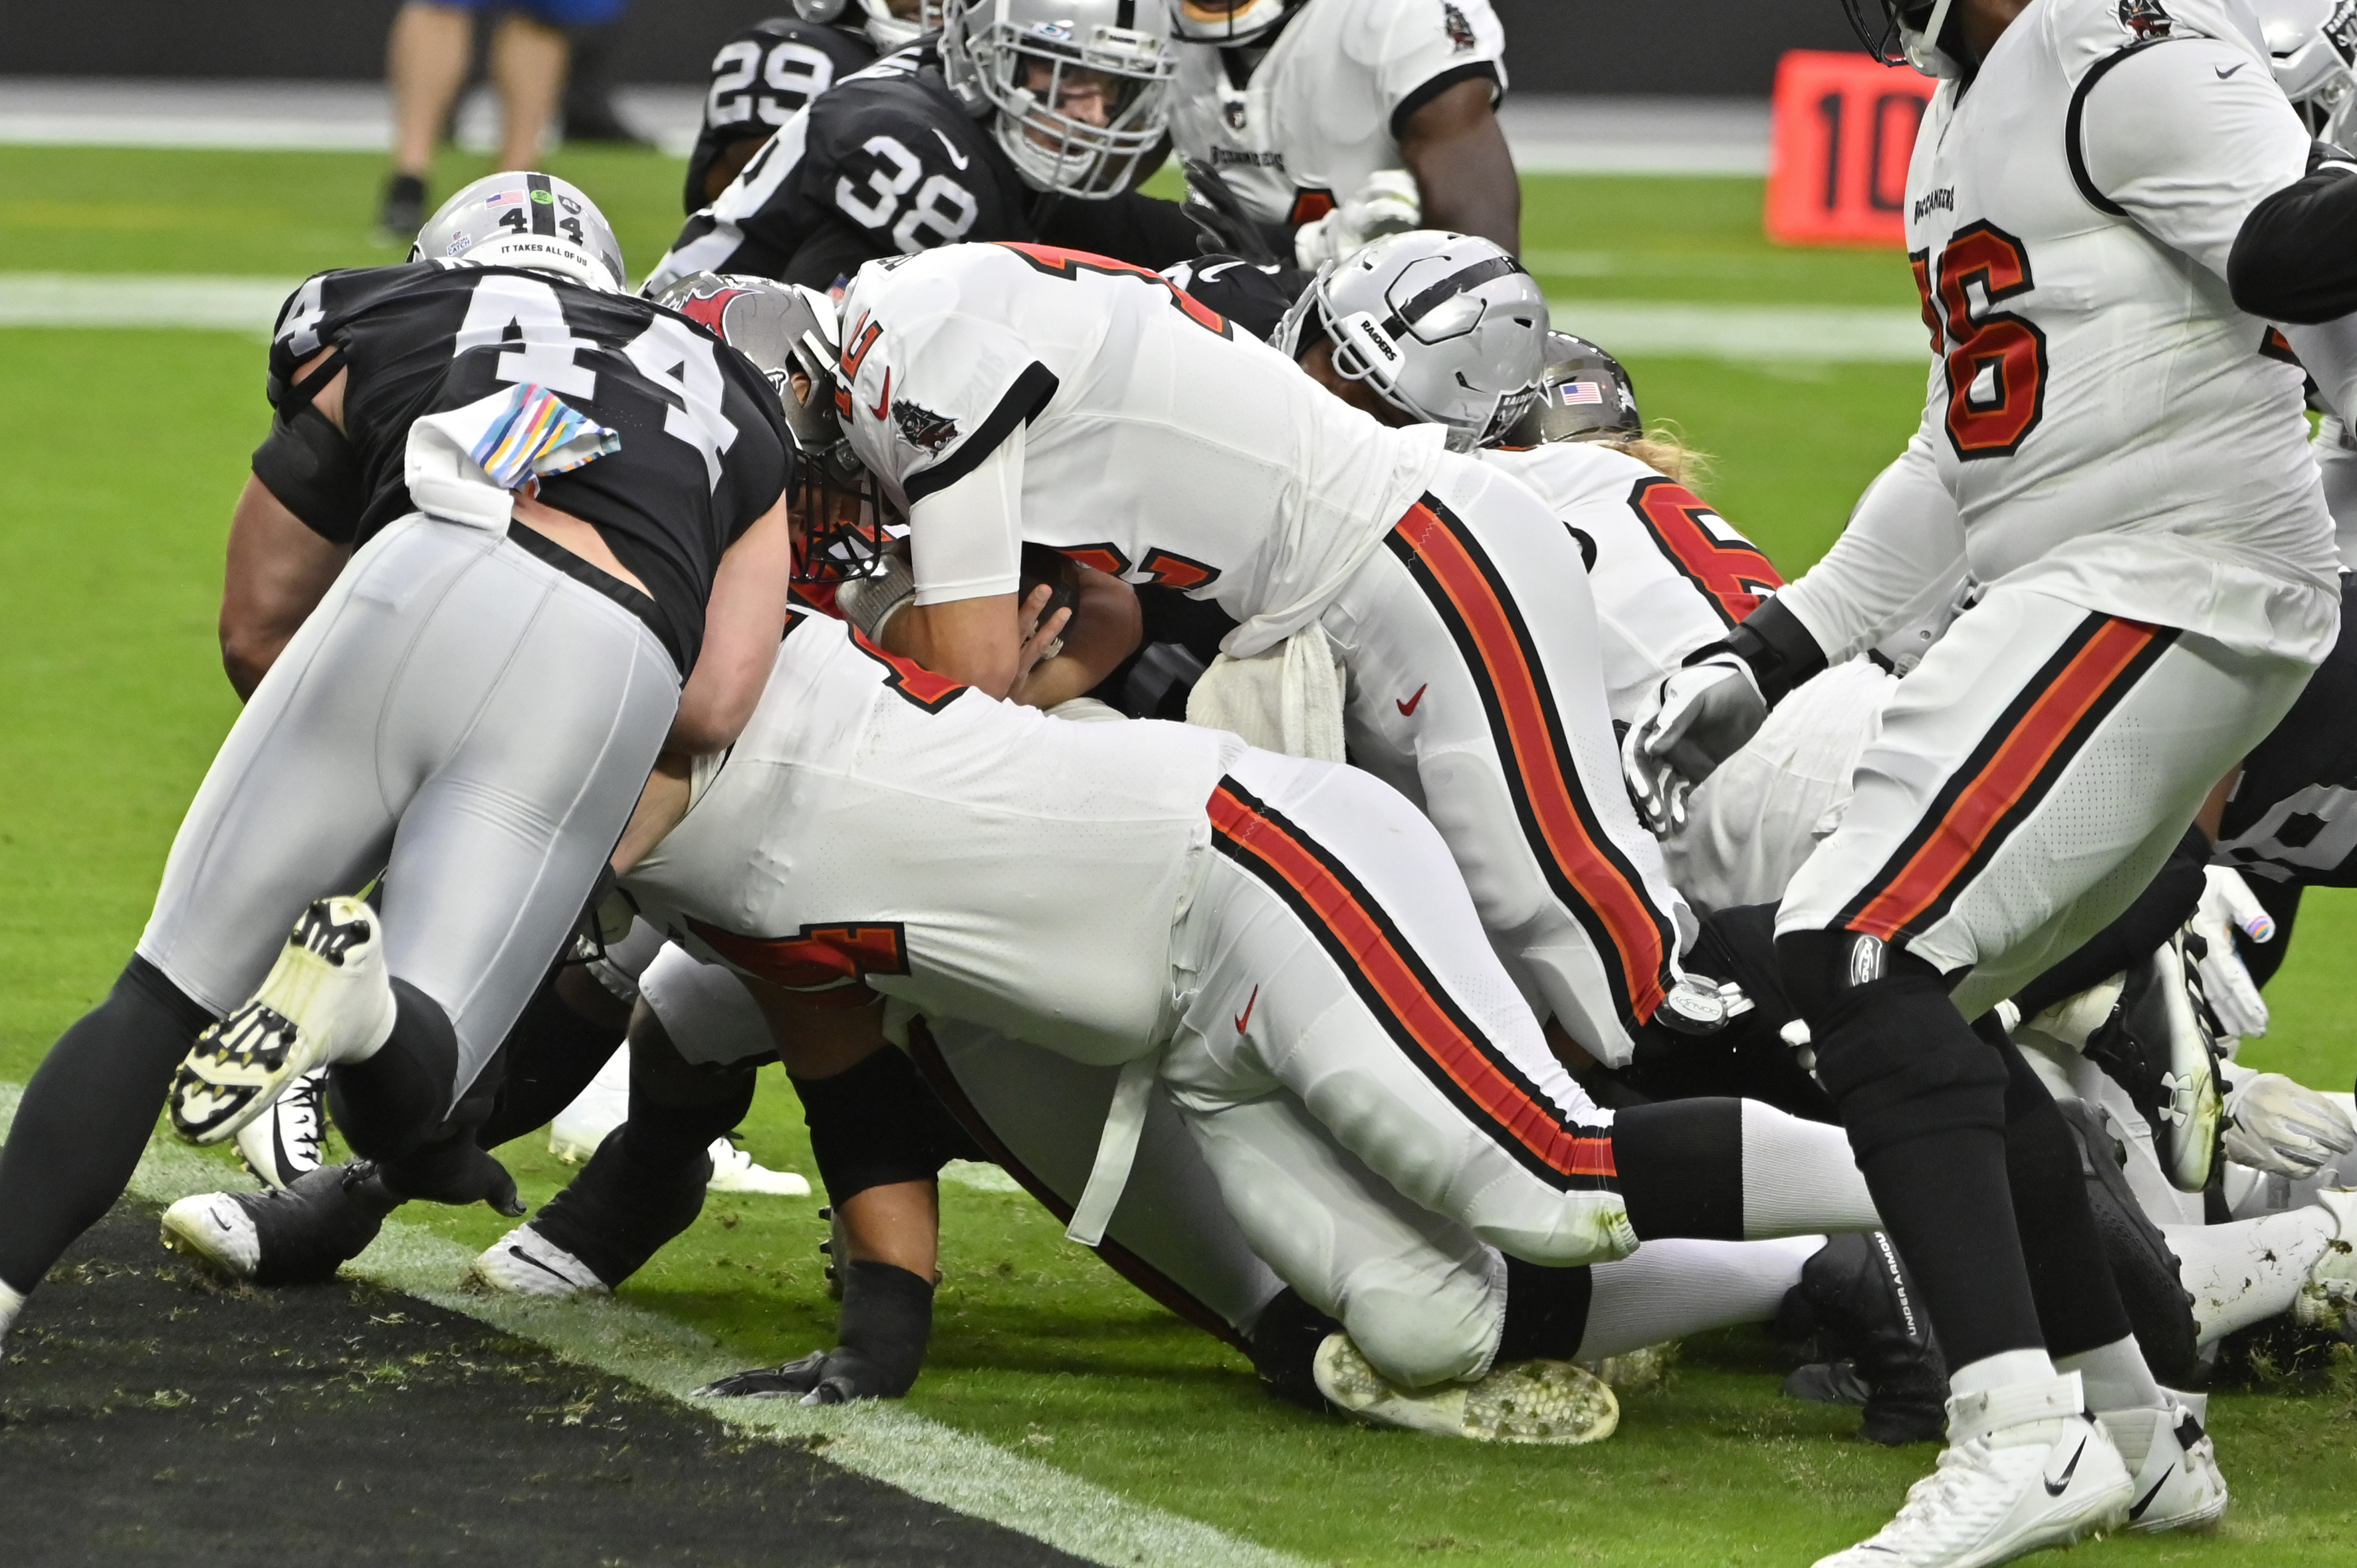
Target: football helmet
1447	328
1905	32
789	331
1227	23
1021	58
521	219
885	30
1584	396
2311	44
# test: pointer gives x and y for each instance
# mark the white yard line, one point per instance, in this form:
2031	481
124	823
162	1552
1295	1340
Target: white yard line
886	1440
1739	332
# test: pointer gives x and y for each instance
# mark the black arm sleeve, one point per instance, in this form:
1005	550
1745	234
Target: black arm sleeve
309	465
2296	257
1779	650
1143	231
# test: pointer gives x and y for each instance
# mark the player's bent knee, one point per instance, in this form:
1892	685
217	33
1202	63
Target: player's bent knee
873	1125
1417	1330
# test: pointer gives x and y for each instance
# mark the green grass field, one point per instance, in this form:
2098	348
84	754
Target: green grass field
120	453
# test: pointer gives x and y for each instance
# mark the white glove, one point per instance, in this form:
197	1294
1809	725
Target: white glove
2228	906
2284	1128
1386	204
1707	711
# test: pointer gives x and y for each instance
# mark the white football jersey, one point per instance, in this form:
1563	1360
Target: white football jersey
1157	442
1669	574
2110	426
878	825
1301	131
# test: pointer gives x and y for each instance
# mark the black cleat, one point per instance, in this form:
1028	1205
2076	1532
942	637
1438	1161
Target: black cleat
2159	1308
296	1235
1863	1306
619	1211
405	207
2160	1046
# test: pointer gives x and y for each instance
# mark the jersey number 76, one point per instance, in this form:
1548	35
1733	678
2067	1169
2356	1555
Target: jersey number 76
1995	363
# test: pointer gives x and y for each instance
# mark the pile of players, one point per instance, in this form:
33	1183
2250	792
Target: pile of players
1547	927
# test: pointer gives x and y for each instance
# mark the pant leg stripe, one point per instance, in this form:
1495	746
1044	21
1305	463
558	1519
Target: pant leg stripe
1398	987
2007	776
1582	864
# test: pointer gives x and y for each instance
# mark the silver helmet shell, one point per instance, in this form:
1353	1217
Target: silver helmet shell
1226	23
991	50
1584	396
2311	45
789	331
885	30
523	219
1447	328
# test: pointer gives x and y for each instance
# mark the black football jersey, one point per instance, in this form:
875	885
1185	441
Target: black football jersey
2291	820
889	163
762	78
703	449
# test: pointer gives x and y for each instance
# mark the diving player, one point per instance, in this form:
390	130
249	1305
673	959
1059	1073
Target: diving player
513	532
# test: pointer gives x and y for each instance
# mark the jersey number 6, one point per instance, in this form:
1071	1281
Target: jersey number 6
1997	366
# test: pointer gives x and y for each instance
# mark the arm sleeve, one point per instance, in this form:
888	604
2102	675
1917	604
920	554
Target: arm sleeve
2185	137
2295	260
966	540
1903	546
1143	231
1420	48
2328	352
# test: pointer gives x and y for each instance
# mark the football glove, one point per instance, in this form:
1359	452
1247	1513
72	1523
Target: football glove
2284	1128
1706	711
1386	204
2228	906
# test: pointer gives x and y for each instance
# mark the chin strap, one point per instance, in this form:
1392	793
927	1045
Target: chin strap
1929	58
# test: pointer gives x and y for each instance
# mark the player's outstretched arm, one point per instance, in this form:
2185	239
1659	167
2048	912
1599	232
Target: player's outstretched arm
742	623
279	569
1464	174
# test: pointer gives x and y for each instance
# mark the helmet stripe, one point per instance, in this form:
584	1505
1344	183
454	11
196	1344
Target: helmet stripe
1449	288
541	204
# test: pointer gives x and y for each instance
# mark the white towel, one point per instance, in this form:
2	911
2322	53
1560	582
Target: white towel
1287	699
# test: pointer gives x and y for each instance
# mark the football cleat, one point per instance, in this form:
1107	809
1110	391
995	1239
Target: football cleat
1857	1294
577	1131
288	1140
1522	1402
296	1235
328	999
2329	1299
2173	1464
11	1304
2159	1308
2025	1468
405	207
2159	1045
733	1170
525	1262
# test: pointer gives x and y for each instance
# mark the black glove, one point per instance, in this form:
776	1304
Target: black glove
888	1315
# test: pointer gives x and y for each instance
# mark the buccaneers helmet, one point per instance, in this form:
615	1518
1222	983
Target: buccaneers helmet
1584	396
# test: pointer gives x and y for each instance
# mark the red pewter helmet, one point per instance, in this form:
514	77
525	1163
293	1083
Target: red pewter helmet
1584	396
1447	328
521	218
2310	44
787	330
1226	21
991	48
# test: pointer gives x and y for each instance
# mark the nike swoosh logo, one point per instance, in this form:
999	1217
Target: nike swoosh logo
2143	1502
960	159
1245	1018
884	400
2055	1488
521	1256
2222	75
1407	709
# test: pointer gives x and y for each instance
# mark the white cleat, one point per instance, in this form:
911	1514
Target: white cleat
2173	1464
289	1140
2329	1299
216	1230
2024	1469
525	1262
1523	1401
328	999
733	1170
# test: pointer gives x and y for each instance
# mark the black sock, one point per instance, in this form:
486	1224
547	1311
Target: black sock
86	1116
887	1317
1285	1340
662	1135
644	1185
1924	1099
552	1054
391	1103
1680	1166
2078	1300
1546	1313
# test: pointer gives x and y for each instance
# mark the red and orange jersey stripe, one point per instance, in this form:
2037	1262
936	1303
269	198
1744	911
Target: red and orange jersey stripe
1587	870
2007	774
1400	991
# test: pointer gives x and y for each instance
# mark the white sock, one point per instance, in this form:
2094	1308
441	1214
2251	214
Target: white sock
1673	1287
2115	1376
2250	1270
2007	1369
1799	1179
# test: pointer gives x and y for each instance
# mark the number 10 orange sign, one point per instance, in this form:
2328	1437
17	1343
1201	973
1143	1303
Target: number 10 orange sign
1844	128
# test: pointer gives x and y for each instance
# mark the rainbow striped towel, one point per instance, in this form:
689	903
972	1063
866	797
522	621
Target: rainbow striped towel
537	435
